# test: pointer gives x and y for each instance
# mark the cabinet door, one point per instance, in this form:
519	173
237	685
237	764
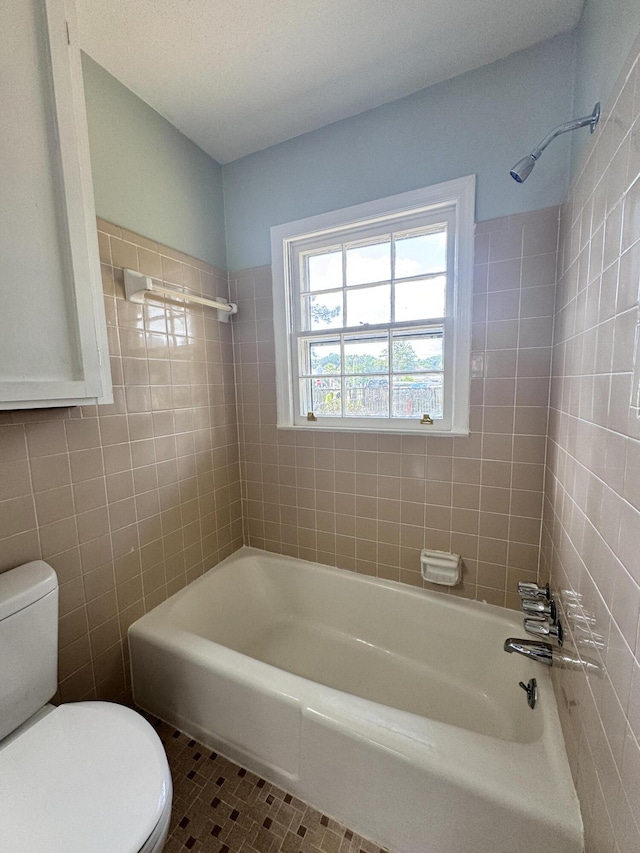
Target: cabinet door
53	345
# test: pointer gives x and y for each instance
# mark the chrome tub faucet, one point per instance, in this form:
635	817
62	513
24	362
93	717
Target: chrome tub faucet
534	649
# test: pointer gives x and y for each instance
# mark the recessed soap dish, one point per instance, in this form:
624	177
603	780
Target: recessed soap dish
441	567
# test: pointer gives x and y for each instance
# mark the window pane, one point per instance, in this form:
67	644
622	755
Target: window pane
324	357
417	351
324	271
321	396
420	300
416	395
322	311
429	350
366	397
421	254
366	355
369	305
369	263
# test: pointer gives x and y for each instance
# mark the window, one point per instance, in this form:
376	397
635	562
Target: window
372	314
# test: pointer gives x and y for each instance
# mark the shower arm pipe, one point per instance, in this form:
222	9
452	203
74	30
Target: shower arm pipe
565	128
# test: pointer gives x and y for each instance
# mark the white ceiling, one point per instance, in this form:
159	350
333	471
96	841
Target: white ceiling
237	76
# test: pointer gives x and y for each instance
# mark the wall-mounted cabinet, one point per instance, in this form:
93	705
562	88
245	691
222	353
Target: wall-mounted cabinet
53	343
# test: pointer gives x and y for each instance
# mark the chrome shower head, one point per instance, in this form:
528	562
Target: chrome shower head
522	169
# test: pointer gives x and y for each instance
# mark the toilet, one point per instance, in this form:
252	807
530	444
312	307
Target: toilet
82	777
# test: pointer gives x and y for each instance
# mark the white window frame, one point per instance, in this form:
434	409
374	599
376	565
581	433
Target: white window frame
455	198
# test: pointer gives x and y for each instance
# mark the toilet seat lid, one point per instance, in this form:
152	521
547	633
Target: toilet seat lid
89	776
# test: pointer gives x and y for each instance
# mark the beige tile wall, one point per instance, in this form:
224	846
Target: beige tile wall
370	502
591	535
129	502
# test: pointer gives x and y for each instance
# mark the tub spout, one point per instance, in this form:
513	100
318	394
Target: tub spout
535	649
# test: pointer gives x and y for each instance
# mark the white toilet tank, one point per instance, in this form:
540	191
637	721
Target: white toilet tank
28	642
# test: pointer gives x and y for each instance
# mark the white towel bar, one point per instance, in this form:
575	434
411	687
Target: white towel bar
137	286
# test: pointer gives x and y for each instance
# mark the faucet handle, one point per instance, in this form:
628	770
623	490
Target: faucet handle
531	689
539	608
528	589
542	628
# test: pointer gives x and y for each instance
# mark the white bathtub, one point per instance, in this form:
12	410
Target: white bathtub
393	710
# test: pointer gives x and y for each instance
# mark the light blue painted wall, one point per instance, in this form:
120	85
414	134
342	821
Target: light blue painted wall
480	122
147	176
605	35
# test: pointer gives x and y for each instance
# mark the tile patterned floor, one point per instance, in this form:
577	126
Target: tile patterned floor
219	807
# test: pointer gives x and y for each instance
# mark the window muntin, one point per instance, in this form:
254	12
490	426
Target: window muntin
379	320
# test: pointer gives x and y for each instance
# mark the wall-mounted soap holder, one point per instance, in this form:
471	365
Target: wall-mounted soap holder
441	567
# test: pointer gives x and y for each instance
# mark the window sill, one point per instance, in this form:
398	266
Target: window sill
317	427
